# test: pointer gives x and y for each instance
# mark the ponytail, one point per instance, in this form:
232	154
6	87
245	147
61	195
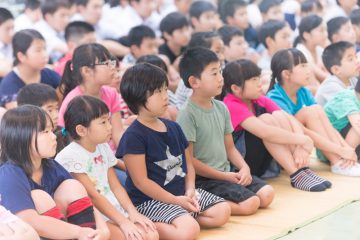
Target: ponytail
68	83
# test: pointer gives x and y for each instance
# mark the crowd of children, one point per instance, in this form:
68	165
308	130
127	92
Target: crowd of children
145	119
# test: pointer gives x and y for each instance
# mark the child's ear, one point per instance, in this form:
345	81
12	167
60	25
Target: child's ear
194	21
285	75
86	71
20	56
230	20
306	36
81	130
167	36
193	81
335	70
135	50
237	90
269	42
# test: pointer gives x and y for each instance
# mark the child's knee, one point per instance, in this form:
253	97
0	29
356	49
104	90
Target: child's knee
187	226
223	213
251	205
42	200
69	191
266	195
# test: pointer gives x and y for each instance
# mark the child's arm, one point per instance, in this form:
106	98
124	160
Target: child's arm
135	164
53	228
204	170
190	179
117	128
354	120
124	200
237	160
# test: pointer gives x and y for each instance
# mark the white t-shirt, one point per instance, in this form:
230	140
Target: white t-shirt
76	159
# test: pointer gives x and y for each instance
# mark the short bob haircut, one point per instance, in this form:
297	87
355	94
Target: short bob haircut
18	127
81	111
194	61
139	82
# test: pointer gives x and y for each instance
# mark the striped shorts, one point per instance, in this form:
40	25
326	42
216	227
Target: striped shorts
158	211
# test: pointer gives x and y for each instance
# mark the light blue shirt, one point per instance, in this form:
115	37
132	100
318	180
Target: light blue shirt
280	97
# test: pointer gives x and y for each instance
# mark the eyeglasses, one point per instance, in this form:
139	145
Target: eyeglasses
109	63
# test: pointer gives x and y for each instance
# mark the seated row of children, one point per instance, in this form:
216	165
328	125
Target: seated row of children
179	175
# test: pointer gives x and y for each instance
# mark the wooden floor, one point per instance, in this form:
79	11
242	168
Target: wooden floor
290	209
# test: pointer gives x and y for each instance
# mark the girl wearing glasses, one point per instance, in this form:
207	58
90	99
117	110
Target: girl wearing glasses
89	72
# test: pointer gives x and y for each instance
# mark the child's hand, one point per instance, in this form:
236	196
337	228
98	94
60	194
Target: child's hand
232	177
140	219
186	203
244	176
98	235
89	234
131	231
349	153
301	157
191	193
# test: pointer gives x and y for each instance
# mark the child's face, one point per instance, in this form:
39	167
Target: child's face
282	39
148	46
181	37
157	104
104	72
349	65
217	46
301	74
236	49
357	32
345	33
252	89
183	6
36	56
52	108
240	18
99	130
318	36
46	143
274	13
59	19
206	22
35	15
211	80
93	11
7	31
144	7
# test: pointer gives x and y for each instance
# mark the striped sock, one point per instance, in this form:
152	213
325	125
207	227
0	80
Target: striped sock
301	180
316	177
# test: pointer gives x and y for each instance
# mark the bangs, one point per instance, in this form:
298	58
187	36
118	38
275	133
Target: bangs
297	57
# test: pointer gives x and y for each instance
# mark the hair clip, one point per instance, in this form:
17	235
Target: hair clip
64	132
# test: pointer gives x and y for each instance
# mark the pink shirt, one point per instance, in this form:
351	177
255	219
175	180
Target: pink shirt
239	112
109	96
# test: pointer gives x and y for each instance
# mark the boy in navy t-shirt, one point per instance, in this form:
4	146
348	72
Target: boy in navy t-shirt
161	178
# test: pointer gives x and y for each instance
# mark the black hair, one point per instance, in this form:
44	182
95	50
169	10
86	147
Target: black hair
77	30
357	87
334	53
199	7
172	22
239	71
36	94
309	5
86	55
81	110
138	34
285	59
227	8
81	2
5	15
154	60
269	29
202	39
18	127
22	40
32	4
227	33
265	5
334	25
355	16
307	24
139	82
194	61
51	6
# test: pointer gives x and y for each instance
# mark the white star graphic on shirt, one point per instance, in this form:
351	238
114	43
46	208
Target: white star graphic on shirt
172	165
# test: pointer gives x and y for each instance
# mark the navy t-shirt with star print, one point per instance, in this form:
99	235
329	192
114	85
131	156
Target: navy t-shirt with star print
164	157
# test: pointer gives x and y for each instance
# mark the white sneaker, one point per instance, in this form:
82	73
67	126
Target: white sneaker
353	171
